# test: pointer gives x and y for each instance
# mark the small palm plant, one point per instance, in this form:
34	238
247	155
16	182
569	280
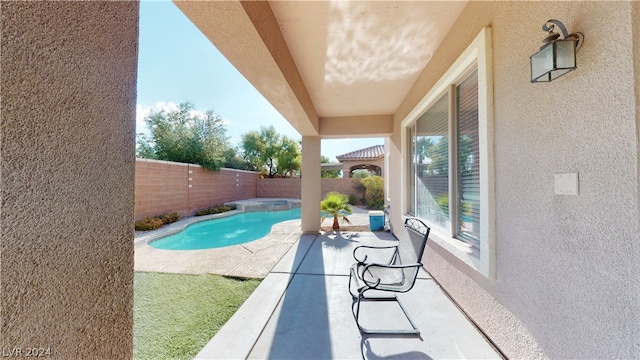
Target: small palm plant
337	205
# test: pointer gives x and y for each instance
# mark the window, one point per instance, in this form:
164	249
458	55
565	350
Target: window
432	165
449	172
468	160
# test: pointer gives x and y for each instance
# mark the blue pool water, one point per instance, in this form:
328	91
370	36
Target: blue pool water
227	231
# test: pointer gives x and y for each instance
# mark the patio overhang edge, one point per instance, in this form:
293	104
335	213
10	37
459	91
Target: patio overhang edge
356	126
248	35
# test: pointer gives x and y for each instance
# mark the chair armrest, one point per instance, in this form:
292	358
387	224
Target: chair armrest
364	260
374	284
386	266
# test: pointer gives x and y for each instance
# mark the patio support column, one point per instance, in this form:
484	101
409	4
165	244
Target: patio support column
311	184
68	82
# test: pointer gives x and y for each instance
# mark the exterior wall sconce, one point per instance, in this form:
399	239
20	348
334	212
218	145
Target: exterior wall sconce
558	54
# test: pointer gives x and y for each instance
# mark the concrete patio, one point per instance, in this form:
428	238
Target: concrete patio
302	310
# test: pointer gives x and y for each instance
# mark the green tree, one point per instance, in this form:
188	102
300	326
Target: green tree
375	192
328	174
252	149
336	205
358	185
465	152
360	174
289	157
183	135
424	149
144	148
233	160
271	153
440	157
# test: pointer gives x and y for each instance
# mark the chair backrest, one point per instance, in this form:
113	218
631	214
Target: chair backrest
412	242
411	245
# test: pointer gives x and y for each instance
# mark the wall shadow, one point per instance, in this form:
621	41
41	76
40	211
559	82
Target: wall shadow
302	329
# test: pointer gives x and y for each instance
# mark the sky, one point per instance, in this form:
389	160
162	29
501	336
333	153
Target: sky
176	63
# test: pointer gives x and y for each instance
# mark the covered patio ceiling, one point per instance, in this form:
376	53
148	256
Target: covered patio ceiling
331	68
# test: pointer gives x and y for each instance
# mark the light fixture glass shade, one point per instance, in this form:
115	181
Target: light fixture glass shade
553	60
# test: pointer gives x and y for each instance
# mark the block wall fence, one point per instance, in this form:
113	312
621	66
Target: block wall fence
292	187
165	187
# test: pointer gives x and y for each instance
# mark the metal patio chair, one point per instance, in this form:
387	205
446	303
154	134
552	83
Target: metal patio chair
397	275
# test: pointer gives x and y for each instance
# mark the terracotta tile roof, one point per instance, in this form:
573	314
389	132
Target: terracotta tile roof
371	153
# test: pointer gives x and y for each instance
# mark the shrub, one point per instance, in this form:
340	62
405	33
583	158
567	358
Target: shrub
168	218
360	174
375	192
148	223
376	205
152	223
353	199
203	212
336	205
359	187
443	203
215	210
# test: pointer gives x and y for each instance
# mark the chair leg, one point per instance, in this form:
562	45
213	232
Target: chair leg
353	296
355	309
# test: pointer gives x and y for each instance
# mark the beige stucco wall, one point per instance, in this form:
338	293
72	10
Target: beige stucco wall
68	82
636	55
311	183
567	282
356	126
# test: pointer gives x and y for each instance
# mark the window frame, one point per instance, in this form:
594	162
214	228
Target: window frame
476	56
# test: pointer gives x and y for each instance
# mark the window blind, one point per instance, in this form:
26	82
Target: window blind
468	155
412	171
432	163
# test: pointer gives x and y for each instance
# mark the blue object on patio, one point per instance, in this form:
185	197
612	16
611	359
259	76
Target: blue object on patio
376	220
397	275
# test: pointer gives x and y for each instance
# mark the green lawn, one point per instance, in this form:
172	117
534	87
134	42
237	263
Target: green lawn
176	315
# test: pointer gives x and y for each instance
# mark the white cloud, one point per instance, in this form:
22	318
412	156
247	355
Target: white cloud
141	112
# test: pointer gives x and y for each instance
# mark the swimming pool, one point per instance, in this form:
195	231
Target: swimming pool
227	231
